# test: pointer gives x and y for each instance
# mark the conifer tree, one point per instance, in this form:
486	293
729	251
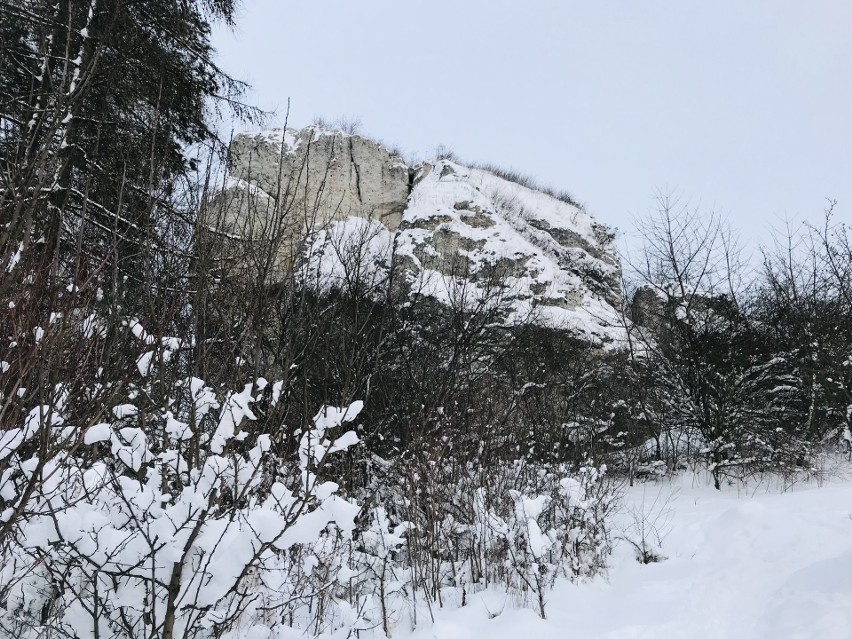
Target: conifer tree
98	101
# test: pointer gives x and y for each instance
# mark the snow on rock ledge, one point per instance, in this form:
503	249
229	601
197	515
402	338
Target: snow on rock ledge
444	224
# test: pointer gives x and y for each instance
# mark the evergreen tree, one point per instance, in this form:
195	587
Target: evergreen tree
98	101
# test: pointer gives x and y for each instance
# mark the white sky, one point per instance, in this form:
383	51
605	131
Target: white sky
742	106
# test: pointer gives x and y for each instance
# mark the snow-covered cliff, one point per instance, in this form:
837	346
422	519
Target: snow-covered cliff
447	227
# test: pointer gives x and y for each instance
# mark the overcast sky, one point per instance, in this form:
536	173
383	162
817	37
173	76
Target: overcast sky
742	106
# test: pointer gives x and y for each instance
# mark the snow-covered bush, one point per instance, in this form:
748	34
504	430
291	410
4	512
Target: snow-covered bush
516	527
177	523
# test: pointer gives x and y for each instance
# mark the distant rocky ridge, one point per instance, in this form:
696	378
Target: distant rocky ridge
445	225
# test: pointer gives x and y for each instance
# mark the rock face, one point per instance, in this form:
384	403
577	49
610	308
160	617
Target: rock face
444	225
648	308
326	172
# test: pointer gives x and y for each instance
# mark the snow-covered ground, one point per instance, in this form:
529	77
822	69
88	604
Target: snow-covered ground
741	564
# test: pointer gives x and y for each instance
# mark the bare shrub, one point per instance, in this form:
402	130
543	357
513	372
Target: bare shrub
650	523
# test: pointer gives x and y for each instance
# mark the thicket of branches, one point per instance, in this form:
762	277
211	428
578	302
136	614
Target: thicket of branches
750	371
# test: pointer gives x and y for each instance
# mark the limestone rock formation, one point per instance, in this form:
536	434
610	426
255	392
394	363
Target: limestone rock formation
329	196
329	173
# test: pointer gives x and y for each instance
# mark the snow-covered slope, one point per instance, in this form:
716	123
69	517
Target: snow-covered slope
553	259
747	565
450	227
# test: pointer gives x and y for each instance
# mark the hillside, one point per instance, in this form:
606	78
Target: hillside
304	386
447	226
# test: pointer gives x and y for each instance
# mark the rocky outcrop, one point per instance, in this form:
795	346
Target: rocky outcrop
323	175
440	224
648	308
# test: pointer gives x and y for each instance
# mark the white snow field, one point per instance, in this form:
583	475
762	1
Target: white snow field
740	565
